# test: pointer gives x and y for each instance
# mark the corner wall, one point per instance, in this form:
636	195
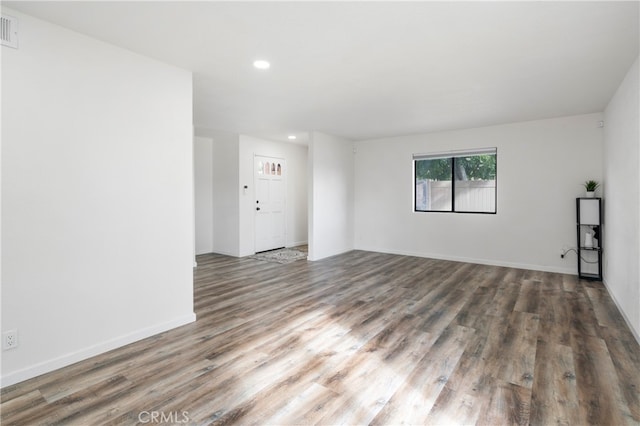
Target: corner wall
97	198
331	185
226	234
541	166
622	198
203	189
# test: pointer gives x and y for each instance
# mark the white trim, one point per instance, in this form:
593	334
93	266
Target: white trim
626	319
491	262
71	358
335	253
224	253
298	243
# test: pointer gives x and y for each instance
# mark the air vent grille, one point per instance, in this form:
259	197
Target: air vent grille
9	31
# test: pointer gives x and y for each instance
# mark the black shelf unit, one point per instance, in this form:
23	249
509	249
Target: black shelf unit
589	221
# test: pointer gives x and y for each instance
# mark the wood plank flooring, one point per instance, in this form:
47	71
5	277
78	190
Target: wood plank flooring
361	338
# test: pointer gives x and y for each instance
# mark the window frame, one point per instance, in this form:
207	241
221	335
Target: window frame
452	155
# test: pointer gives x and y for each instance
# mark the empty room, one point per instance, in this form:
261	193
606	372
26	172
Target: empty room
320	213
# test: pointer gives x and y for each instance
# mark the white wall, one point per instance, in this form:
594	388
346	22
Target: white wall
224	183
203	185
331	185
226	239
622	202
97	198
541	165
295	157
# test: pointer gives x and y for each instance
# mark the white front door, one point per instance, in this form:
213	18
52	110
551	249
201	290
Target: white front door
270	202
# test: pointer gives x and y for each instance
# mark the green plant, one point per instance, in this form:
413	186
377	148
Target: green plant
591	185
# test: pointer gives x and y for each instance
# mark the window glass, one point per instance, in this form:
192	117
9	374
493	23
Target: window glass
433	185
463	181
475	185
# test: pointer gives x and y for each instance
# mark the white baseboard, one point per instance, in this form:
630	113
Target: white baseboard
225	253
335	253
491	262
626	319
82	354
297	243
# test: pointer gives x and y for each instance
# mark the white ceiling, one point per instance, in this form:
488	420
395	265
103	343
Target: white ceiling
365	70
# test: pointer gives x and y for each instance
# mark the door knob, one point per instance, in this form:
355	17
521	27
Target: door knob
257	208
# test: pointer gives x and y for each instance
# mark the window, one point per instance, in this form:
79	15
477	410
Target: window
457	181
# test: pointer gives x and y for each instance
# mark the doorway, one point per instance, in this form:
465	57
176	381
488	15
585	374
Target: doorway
270	200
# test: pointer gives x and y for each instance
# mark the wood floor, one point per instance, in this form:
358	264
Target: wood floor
361	338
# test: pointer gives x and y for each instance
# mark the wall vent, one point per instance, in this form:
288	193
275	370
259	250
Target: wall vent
9	31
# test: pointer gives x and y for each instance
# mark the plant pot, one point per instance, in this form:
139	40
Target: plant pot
591	194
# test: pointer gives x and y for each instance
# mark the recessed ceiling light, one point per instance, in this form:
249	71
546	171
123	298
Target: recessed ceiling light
291	137
261	65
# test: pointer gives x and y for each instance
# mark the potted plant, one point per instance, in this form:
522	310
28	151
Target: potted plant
590	186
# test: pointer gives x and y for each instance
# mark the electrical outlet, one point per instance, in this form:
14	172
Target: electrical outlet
9	340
